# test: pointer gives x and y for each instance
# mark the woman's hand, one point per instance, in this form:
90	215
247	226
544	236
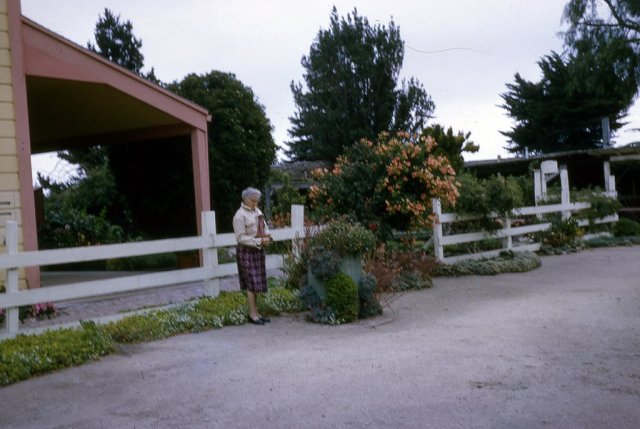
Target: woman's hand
265	241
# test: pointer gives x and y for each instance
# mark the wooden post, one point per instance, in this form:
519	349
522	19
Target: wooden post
537	189
210	254
507	242
297	224
12	321
565	197
612	187
609	181
438	249
537	186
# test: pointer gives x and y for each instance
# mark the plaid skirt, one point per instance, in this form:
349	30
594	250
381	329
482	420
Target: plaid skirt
251	269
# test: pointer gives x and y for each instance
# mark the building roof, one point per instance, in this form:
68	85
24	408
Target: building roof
76	96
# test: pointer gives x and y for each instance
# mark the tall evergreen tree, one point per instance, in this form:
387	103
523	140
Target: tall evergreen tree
351	89
116	42
563	111
608	30
611	19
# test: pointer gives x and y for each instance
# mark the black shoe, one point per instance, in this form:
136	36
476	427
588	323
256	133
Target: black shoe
265	319
256	322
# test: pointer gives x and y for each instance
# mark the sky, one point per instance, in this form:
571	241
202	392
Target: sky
464	52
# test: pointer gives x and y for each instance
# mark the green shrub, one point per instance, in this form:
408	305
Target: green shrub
28	355
342	297
482	197
508	262
324	263
626	227
369	305
562	232
601	205
70	227
344	238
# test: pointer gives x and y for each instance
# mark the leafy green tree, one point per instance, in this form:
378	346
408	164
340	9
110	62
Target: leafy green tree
563	111
116	42
285	195
241	147
351	89
83	211
450	145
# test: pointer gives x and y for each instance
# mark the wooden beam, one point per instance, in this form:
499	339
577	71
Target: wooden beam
622	158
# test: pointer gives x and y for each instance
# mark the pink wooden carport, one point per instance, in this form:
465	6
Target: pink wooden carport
67	96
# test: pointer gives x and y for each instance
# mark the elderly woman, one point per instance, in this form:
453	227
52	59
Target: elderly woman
252	235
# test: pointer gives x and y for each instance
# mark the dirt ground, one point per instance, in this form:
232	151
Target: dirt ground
558	347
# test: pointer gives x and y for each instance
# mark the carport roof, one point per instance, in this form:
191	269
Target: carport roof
77	97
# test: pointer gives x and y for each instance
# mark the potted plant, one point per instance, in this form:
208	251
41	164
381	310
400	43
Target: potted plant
338	247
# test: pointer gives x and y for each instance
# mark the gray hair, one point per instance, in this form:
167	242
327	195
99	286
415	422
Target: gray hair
250	192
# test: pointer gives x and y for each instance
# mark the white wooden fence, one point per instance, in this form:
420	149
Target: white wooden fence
548	170
506	233
209	273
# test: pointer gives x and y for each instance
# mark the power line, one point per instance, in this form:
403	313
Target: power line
448	49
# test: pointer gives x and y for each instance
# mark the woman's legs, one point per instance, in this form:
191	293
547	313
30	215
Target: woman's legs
253	307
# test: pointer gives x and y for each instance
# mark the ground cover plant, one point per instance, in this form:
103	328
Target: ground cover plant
507	262
30	355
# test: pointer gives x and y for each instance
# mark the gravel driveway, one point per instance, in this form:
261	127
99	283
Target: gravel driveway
558	347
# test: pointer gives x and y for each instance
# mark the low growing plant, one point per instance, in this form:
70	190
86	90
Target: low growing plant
563	232
28	355
626	228
507	262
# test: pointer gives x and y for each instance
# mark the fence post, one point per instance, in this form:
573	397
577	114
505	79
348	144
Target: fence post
537	189
438	249
537	186
13	314
210	254
607	173
612	187
565	198
297	224
507	242
609	181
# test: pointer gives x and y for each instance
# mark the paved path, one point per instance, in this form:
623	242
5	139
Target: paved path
558	347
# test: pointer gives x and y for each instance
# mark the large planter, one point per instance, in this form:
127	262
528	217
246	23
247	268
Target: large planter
350	265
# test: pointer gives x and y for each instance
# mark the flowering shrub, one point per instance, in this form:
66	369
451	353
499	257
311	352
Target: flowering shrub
387	184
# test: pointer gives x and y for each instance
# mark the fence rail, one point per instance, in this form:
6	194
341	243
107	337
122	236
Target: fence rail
507	233
210	271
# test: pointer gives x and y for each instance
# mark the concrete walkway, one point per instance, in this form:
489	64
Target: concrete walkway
558	347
